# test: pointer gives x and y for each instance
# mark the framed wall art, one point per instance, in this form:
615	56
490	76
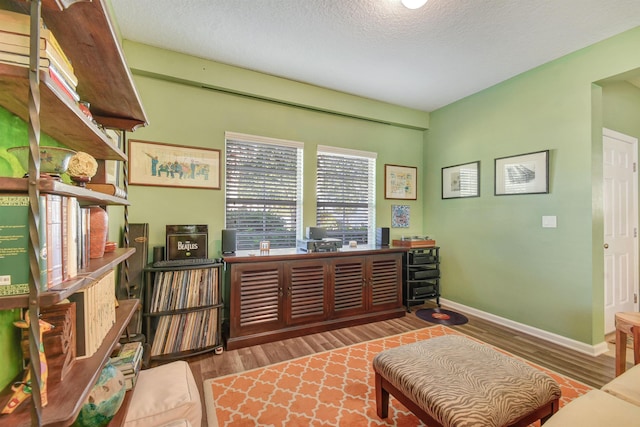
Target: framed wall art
400	216
522	174
461	181
400	182
168	165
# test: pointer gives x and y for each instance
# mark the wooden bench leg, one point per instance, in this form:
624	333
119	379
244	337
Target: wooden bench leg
382	398
635	332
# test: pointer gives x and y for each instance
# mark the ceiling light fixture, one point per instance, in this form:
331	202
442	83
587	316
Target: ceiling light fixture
413	4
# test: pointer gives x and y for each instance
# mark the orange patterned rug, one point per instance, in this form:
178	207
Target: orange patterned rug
332	388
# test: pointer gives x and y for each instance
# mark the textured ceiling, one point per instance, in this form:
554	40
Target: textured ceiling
423	59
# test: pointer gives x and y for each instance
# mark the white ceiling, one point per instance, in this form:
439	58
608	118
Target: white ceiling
423	59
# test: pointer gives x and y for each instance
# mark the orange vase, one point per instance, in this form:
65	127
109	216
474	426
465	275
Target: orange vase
98	229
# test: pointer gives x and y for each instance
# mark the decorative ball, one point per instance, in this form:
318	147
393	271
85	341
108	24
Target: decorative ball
104	400
82	164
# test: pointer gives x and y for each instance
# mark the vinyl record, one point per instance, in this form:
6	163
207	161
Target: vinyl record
441	316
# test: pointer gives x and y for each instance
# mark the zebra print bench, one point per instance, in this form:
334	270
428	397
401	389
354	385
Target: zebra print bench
454	381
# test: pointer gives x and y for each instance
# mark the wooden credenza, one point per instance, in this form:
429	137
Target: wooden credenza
286	294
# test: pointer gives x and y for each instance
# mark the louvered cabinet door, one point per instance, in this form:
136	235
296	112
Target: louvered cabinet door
256	298
348	277
305	291
384	283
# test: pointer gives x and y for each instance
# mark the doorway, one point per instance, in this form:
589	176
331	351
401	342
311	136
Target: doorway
620	192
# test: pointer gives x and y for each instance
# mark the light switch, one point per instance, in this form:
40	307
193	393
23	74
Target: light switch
549	221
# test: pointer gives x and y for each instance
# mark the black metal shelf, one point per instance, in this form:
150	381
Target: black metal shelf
421	276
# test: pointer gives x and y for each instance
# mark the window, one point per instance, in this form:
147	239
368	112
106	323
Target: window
263	190
346	194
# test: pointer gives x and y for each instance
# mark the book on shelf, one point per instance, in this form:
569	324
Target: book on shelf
62	84
128	361
54	240
95	314
110	189
14	241
71	233
15	30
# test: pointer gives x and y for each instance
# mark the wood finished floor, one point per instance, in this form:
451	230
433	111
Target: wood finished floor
594	371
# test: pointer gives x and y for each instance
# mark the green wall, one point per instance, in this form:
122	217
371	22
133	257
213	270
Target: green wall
496	256
182	112
9	347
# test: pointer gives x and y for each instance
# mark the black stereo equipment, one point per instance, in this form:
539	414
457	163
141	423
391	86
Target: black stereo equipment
424	274
228	242
418	258
322	245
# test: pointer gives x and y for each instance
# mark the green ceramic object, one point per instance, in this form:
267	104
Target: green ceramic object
105	399
53	160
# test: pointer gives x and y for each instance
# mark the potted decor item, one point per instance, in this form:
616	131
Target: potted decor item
104	400
98	230
53	160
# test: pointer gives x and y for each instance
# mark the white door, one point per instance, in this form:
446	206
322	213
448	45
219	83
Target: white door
620	225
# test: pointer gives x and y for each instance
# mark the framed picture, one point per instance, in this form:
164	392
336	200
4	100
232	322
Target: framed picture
400	216
168	165
400	182
461	181
522	174
112	167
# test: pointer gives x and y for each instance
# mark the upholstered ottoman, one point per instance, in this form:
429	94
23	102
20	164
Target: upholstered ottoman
626	386
455	381
166	395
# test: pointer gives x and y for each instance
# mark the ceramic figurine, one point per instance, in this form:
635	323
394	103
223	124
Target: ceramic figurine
22	390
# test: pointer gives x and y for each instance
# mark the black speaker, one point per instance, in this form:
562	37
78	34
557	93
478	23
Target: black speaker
382	236
158	253
228	242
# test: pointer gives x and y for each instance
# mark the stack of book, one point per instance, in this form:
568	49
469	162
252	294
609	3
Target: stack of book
128	361
95	314
14	50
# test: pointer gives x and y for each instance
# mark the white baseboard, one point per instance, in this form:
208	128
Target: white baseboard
591	350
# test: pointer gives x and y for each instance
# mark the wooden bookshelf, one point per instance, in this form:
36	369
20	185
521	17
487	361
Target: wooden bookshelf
67	397
85	32
85	196
97	267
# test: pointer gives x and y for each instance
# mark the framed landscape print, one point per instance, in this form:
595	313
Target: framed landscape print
400	182
522	174
461	181
168	165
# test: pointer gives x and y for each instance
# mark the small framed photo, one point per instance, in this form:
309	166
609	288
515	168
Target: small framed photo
168	165
522	174
400	216
461	181
400	182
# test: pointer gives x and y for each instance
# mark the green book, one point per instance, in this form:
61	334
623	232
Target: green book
14	244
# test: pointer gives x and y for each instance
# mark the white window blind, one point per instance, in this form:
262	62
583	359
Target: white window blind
263	190
346	194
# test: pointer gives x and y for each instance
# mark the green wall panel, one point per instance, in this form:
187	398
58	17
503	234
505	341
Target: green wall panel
496	256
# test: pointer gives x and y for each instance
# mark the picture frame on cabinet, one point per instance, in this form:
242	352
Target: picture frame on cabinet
400	182
169	165
461	181
522	174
